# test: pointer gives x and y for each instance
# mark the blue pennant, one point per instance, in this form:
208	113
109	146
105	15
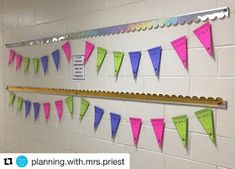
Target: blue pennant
115	120
44	60
56	58
36	107
98	115
135	60
27	107
155	55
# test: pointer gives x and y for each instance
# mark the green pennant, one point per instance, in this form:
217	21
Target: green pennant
205	116
69	103
11	98
26	61
35	64
101	53
118	58
84	106
181	125
19	103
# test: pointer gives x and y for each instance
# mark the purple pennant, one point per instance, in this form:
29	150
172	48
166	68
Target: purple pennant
115	120
155	55
56	58
27	107
44	60
98	116
135	60
36	107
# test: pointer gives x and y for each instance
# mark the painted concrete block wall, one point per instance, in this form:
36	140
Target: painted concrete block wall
27	19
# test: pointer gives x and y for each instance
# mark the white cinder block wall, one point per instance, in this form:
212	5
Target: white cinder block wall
27	19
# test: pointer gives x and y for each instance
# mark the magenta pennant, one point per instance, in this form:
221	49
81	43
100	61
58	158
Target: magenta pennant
11	57
155	55
135	60
203	33
67	50
135	126
46	108
180	46
59	108
88	50
18	62
158	127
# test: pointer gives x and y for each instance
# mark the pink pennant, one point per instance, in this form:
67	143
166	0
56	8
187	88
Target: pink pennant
67	50
135	126
180	46
11	56
203	33
59	108
88	50
46	108
18	62
158	127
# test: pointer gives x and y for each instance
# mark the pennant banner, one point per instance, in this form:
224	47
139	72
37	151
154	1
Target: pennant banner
46	108
59	108
36	107
135	60
205	117
84	107
56	57
158	127
44	60
11	57
181	125
180	46
67	50
18	62
101	53
118	57
19	103
115	120
98	116
203	33
88	50
155	55
135	126
11	98
35	64
69	103
26	62
27	107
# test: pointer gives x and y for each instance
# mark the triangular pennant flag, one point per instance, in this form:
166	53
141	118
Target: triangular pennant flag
181	125
98	115
88	50
46	108
101	53
84	107
44	60
27	107
35	64
118	57
59	108
36	107
135	60
158	127
11	57
203	33
56	57
26	62
180	46
69	103
205	116
135	127
155	55
115	120
19	103
67	50
11	98
18	62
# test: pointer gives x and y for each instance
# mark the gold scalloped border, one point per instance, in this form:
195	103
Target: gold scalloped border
143	97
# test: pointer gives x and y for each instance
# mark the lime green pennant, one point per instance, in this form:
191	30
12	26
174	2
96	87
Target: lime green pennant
101	53
84	107
26	61
11	98
205	116
35	64
19	103
118	58
69	103
181	125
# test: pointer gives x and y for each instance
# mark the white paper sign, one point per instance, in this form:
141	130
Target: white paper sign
78	68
